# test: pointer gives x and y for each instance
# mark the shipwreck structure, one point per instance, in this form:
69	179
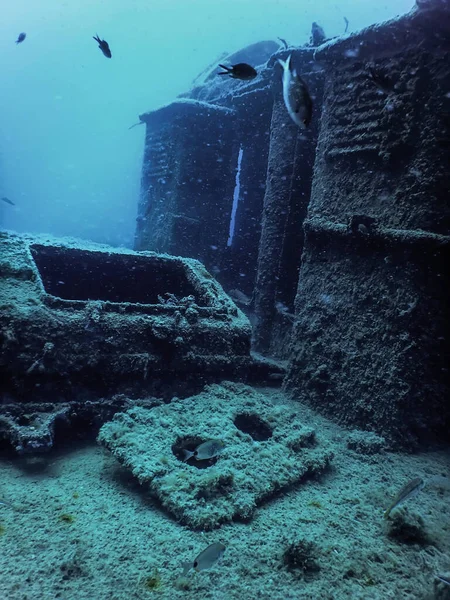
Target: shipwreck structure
371	335
83	324
234	193
336	239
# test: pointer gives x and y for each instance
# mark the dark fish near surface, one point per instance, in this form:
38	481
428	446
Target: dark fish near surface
240	71
103	45
206	558
408	491
21	37
346	24
382	82
296	95
284	42
8	201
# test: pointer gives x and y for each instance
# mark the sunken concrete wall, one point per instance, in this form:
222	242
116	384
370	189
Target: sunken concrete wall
371	338
287	194
77	316
186	180
204	171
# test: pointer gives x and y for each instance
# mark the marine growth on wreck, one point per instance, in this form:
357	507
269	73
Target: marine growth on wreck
241	391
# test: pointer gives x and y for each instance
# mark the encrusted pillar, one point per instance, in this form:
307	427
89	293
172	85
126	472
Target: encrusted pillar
288	186
371	337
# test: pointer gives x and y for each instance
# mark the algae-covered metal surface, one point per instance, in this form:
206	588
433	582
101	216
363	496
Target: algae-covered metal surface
371	335
81	322
266	449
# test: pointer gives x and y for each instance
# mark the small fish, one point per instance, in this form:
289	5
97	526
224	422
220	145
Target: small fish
8	201
408	491
443	578
382	82
206	559
21	37
296	95
346	24
317	35
4	503
103	45
205	451
284	42
240	71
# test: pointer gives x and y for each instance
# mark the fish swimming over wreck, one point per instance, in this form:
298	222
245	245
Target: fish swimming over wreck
296	95
409	490
240	71
205	451
206	559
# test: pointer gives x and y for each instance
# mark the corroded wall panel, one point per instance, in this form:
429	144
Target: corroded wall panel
187	184
371	336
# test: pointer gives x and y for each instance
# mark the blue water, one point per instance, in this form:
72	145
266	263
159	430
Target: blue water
67	157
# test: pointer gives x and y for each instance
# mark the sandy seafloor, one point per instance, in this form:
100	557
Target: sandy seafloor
81	528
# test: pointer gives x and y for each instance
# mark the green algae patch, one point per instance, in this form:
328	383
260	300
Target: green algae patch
259	459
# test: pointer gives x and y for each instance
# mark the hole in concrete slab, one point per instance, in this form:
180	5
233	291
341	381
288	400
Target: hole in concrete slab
190	443
75	274
23	420
252	424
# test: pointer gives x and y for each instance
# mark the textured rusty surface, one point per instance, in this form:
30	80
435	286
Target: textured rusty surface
82	322
371	337
287	194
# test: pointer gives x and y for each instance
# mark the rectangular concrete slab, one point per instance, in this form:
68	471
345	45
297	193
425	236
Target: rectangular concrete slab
266	450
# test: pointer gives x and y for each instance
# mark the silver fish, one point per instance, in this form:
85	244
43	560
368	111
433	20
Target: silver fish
408	491
296	95
443	578
206	559
205	451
